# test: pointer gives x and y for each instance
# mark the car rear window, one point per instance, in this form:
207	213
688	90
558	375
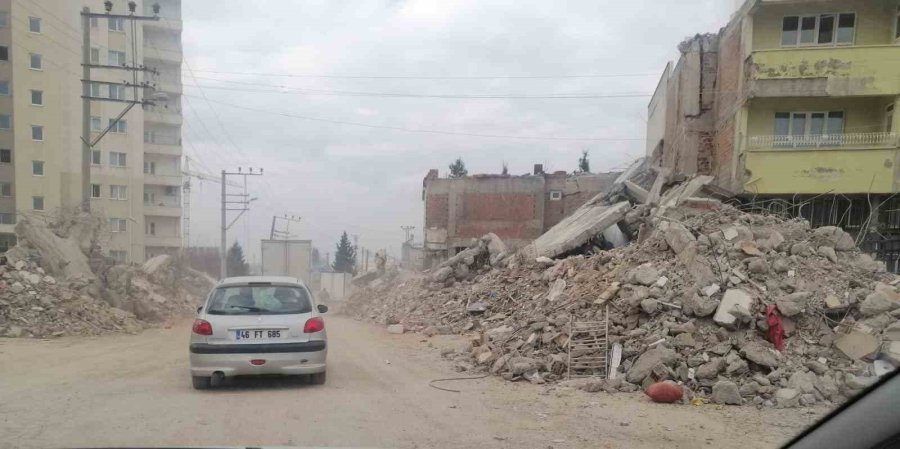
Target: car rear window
259	300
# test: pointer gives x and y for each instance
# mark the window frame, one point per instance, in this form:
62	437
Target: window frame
31	21
118	156
556	195
118	192
96	191
119	126
40	60
98	122
109	58
8	187
98	161
8	150
120	226
4	19
39	128
34	200
4	49
35	163
40	94
897	25
6	83
11	215
118	20
8	120
114	253
818	17
94	89
91	57
890	112
116	88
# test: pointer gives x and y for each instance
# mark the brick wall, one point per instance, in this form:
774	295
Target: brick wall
497	206
436	210
728	101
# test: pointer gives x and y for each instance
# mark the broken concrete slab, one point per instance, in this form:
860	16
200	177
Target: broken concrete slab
834	237
856	343
726	392
685	190
395	329
792	304
638	193
760	354
60	256
678	237
649	360
878	303
576	229
556	290
735	305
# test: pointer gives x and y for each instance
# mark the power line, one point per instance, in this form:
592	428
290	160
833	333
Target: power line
309	75
426	131
305	91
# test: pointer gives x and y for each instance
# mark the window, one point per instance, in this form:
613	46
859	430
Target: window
794	129
4	87
171	190
5	121
95	157
118	192
116	92
5	189
4	53
116	24
37	168
4	19
118	255
5	156
37	98
95	55
117	126
149	197
95	89
116	57
37	132
118	224
96	124
149	136
37	203
7	241
149	167
555	195
823	29
117	159
151	228
34	24
95	190
8	218
897	24
36	61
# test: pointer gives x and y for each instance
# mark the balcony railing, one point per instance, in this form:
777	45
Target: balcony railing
813	141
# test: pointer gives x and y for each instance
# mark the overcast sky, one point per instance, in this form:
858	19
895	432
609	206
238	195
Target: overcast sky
368	181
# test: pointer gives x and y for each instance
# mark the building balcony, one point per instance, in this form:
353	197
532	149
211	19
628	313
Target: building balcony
170	86
869	70
837	163
163	116
152	52
162	209
162	240
823	141
168	150
156	179
163	24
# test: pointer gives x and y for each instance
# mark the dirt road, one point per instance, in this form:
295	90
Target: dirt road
134	390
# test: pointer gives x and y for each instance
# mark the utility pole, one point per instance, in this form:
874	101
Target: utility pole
408	230
286	233
243	205
86	143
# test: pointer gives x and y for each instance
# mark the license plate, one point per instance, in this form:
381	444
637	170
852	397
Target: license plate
258	334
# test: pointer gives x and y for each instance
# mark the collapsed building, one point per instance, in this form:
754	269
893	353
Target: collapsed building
791	107
518	209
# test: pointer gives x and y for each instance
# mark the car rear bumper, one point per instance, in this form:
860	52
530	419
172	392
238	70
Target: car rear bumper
280	358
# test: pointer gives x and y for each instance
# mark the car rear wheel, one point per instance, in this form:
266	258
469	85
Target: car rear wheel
317	378
201	382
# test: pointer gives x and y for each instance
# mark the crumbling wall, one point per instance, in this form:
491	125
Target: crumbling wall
729	99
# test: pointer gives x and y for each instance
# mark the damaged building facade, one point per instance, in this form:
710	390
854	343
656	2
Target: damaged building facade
518	209
792	108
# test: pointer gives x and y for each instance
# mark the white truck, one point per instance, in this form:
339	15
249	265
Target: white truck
287	258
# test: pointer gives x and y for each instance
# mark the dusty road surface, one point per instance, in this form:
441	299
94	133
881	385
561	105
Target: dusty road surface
128	390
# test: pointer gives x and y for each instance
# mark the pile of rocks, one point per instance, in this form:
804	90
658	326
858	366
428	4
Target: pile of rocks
692	302
56	282
487	252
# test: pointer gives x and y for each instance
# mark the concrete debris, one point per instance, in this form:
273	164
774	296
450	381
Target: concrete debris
56	282
395	329
668	315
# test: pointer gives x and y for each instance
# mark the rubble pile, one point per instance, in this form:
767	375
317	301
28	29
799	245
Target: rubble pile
736	308
56	282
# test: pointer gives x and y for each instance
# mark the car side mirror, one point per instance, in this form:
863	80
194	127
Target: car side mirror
199	309
322	308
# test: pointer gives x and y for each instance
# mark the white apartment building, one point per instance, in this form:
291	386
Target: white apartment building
136	167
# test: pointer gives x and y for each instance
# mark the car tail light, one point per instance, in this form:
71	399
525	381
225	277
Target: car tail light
202	327
314	325
258	362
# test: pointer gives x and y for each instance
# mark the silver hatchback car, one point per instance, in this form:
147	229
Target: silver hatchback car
258	325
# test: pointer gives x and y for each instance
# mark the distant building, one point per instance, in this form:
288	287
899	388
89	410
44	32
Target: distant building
792	107
516	208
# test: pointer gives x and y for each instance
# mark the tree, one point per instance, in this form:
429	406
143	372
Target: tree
505	169
584	165
458	169
316	258
344	256
235	264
